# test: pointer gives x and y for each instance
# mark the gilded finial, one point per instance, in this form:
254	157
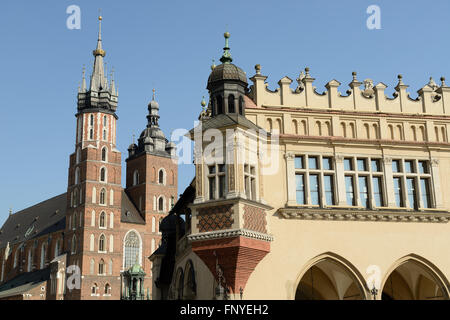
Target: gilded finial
154	91
213	66
203	103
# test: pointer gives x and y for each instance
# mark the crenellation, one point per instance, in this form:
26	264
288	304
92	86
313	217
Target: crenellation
432	99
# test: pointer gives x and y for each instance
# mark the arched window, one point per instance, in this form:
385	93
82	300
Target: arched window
111	243
92	243
104	153
75	198
103	174
111	197
92	267
78	155
231	107
101	267
103	196
74	221
153	224
91	120
57	248
110	267
101	243
135	178
74	244
111	220
91	134
107	289
241	106
94	289
94	195
102	221
161	176
132	249
43	250
30	260
104	134
105	121
161	204
219	104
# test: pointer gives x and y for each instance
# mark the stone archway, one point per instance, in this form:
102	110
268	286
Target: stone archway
329	279
412	279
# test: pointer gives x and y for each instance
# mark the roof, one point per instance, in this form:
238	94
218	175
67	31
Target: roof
49	216
227	120
129	212
24	283
46	217
227	71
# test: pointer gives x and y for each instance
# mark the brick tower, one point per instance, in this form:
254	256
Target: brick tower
152	175
92	235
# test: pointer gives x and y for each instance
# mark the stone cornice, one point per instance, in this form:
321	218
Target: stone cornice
360	215
231	233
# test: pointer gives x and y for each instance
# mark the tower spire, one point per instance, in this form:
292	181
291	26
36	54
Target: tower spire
153	112
226	57
98	79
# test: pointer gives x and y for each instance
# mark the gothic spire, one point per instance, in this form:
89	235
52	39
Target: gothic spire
98	78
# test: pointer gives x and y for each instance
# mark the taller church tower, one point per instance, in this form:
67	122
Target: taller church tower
92	235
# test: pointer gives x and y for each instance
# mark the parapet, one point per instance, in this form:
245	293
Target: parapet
432	99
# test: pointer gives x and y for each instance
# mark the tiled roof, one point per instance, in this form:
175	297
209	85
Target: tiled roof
24	283
43	218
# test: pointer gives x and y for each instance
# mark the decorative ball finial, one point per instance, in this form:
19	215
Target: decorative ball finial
258	69
213	66
226	35
443	81
203	103
100	18
154	91
354	75
400	77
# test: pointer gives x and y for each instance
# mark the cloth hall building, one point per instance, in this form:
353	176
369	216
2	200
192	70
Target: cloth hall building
318	195
93	242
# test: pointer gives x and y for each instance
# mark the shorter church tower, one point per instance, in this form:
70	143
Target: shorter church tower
152	175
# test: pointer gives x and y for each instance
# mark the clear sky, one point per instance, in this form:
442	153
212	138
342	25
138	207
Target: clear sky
169	45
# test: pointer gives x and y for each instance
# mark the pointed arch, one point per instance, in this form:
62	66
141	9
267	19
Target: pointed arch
359	282
132	247
427	266
104	154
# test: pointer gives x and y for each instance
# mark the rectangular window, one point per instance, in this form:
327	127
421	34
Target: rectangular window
396	166
398	192
221	186
312	163
362	165
423	167
212	188
349	190
327	163
425	188
250	182
363	192
300	188
348	164
377	191
314	189
411	191
328	189
299	163
376	167
409	166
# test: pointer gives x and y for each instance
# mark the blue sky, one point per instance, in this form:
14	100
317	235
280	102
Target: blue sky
169	45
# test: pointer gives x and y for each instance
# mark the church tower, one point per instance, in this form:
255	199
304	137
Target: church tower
152	175
92	235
